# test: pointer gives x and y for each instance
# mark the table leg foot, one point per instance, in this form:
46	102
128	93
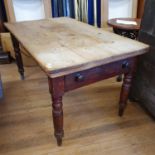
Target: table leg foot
58	119
121	111
124	93
59	140
22	77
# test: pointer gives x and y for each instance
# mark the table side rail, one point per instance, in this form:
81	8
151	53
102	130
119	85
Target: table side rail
86	77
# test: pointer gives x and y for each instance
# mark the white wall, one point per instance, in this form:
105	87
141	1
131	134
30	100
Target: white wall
120	8
28	9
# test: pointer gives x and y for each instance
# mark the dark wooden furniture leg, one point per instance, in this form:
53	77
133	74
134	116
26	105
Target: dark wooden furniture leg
119	78
19	60
127	81
59	85
125	92
56	87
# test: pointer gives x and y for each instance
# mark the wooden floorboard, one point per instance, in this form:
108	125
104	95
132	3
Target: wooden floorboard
91	124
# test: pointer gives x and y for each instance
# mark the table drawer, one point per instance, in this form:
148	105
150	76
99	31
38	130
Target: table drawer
89	76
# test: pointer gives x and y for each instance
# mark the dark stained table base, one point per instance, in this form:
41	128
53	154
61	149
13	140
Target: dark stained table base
18	56
59	85
132	34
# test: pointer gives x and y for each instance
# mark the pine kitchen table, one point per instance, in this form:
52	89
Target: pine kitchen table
74	54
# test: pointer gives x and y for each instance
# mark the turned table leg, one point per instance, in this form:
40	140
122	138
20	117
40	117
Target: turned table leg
18	56
56	87
125	92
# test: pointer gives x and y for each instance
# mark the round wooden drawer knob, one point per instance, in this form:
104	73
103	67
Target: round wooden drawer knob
79	78
125	65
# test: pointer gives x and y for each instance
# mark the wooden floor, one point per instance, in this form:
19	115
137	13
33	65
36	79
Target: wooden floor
91	125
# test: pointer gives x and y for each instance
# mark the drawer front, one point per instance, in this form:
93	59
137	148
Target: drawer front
89	76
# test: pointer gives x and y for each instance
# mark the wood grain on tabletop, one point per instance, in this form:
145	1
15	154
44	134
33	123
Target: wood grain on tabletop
64	45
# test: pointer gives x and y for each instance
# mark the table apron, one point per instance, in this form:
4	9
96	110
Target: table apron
86	77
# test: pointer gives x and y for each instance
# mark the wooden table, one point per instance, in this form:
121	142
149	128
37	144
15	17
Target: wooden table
130	31
74	54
